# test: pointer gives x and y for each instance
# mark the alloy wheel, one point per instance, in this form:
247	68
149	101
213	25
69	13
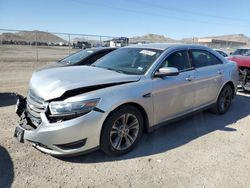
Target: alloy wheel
124	131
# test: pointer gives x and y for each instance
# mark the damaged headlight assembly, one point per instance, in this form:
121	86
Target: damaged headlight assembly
69	110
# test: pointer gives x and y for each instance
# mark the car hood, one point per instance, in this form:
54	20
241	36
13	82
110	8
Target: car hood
53	83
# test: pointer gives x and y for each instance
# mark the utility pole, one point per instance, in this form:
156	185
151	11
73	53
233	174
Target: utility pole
36	47
69	44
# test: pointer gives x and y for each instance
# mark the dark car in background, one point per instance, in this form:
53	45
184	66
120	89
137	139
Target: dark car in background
81	45
82	57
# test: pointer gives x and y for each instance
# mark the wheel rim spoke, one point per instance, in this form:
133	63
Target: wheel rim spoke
130	138
118	142
128	141
114	131
125	119
134	124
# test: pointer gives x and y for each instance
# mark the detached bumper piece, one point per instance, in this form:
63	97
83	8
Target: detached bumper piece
19	134
20	105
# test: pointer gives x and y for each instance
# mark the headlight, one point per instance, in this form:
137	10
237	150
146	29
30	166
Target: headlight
71	108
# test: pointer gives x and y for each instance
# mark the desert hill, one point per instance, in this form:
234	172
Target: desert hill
151	38
31	36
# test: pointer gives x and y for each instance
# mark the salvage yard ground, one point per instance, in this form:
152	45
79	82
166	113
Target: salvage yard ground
26	53
204	150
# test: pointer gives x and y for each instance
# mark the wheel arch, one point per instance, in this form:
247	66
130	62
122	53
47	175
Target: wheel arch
136	105
231	84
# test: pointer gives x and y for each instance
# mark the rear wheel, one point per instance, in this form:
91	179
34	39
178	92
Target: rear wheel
224	100
121	131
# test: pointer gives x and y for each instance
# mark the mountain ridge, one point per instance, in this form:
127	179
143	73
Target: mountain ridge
42	36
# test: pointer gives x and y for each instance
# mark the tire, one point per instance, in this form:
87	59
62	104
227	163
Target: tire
116	137
224	100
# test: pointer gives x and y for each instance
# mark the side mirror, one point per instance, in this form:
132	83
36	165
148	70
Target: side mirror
231	53
167	71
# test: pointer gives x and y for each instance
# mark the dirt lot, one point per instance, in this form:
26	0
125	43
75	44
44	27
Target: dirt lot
204	150
26	53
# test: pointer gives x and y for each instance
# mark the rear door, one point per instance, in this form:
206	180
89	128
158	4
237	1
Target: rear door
208	76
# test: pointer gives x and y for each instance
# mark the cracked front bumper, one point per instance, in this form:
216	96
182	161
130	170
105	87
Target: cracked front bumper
65	138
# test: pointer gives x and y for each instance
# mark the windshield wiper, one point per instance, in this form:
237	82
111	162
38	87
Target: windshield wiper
108	68
119	71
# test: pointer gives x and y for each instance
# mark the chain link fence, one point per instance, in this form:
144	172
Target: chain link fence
42	46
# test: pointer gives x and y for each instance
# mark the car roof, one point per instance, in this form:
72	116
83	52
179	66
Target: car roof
162	46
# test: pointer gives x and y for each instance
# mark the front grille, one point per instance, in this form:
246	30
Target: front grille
35	106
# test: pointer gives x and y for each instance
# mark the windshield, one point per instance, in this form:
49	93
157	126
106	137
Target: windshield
76	57
240	51
134	61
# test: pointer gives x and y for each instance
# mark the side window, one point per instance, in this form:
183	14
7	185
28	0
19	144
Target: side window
95	58
202	58
178	60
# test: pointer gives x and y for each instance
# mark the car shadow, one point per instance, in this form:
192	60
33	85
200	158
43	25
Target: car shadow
7	99
6	168
177	134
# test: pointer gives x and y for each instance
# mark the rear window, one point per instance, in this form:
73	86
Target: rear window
202	58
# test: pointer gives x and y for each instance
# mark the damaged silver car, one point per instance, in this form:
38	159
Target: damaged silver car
129	91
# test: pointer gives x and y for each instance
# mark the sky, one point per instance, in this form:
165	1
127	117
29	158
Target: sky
172	18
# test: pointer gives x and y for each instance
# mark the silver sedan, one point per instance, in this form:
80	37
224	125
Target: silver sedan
110	104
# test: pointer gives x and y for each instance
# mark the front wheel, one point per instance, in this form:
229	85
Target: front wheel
224	100
121	131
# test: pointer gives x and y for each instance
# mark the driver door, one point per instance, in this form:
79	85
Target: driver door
173	96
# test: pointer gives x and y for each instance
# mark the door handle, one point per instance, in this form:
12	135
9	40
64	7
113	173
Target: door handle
189	78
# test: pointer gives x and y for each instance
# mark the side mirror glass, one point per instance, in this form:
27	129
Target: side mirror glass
167	71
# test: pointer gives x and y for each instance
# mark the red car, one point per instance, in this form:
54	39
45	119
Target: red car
243	63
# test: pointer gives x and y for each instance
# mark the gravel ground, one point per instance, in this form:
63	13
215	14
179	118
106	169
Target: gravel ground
204	150
26	53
